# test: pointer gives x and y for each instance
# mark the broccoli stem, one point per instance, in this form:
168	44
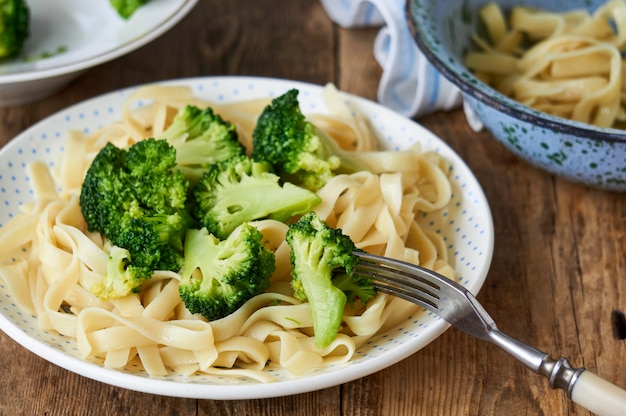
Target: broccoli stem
327	305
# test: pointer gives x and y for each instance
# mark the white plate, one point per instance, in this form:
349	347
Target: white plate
466	226
91	31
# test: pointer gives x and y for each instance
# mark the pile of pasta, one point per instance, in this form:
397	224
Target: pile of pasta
49	260
567	64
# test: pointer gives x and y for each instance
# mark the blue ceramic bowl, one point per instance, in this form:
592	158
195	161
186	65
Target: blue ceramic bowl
577	151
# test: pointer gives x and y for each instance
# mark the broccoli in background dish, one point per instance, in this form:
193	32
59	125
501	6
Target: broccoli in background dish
14	27
323	259
126	8
297	150
137	199
219	276
239	190
201	138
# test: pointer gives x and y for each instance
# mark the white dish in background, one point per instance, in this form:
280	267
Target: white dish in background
466	226
91	32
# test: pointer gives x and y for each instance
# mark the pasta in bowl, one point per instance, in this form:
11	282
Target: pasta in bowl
545	78
264	349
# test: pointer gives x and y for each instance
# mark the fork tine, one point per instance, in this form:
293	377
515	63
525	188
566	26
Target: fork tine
408	287
437	293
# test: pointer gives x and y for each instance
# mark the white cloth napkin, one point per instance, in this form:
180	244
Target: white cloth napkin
409	85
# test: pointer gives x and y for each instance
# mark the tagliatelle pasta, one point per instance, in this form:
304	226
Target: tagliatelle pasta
49	261
568	64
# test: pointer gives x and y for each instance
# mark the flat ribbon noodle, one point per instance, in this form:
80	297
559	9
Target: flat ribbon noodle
573	70
49	260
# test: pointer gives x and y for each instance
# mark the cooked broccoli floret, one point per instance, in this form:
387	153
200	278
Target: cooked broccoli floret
122	277
126	8
322	260
154	177
296	149
14	27
239	190
105	196
201	138
155	241
137	199
219	276
356	288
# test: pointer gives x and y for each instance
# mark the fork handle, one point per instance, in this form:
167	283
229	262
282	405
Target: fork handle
598	395
582	386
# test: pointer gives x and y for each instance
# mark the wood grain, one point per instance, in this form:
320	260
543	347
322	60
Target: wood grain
558	272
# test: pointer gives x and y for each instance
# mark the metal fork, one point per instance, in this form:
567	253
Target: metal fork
459	307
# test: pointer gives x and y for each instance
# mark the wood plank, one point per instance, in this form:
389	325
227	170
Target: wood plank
556	278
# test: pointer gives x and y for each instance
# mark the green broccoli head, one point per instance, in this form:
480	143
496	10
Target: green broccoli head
157	183
355	287
239	190
136	198
319	254
130	183
201	138
296	149
14	27
219	276
122	277
126	8
155	241
106	197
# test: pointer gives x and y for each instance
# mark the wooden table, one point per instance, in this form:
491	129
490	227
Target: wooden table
557	280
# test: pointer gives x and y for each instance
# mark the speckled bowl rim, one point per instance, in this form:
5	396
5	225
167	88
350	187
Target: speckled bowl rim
494	99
